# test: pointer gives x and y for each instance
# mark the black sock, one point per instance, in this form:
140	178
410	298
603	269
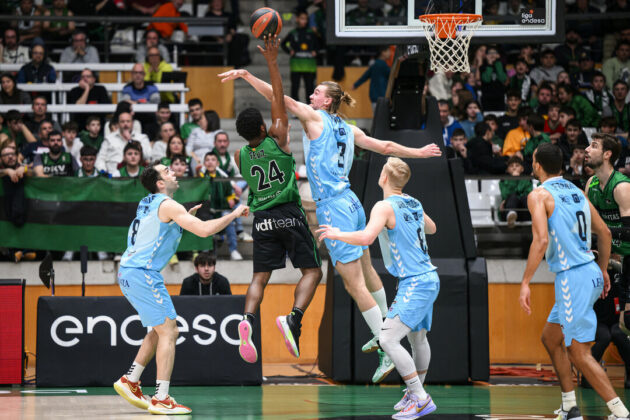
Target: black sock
250	317
297	315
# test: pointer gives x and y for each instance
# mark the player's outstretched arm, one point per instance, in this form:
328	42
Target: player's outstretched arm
537	208
389	148
172	210
604	245
279	120
382	215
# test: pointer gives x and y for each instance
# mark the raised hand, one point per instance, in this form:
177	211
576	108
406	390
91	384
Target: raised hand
233	75
193	210
272	45
431	150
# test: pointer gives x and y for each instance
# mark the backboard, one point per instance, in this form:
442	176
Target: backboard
381	22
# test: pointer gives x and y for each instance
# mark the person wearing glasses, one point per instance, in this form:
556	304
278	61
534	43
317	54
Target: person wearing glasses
140	91
79	51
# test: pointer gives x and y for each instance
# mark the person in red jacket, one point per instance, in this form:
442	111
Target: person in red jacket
170	9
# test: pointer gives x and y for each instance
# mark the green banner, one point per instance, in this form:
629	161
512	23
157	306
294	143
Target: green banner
64	213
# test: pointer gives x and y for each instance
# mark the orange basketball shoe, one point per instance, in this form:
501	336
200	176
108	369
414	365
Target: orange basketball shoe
132	392
167	406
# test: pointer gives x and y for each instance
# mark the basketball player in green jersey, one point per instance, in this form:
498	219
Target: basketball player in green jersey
280	225
609	191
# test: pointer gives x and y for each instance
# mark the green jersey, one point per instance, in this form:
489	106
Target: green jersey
604	202
270	174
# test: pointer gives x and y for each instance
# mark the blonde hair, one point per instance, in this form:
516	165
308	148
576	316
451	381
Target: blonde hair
397	172
334	91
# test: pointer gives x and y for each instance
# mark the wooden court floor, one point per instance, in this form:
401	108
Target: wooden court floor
285	402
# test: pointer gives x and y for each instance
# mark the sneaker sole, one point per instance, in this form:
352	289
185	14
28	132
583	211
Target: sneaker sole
246	349
167	411
428	409
124	392
379	380
370	349
281	322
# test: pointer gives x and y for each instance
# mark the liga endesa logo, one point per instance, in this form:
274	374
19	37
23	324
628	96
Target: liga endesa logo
533	16
74	330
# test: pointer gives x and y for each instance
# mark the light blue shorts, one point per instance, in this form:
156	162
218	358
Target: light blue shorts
414	300
345	212
146	292
577	290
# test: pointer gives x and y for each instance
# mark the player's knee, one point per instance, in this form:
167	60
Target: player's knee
387	341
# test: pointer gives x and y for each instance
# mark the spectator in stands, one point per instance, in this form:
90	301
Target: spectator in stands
378	74
458	150
201	140
548	70
473	116
158	147
521	82
10	166
91	135
608	125
175	147
484	155
585	112
621	109
563	78
87	93
493	79
45	128
449	124
514	193
12	52
138	91
17	130
583	78
535	127
576	167
79	51
544	95
301	44
618	67
39	114
440	85
169	9
29	29
10	94
196	115
222	198
206	281
237	43
37	70
179	166
493	123
589	29
516	138
55	162
154	67
152	39
363	15
57	30
553	126
599	95
71	143
13	174
112	125
88	159
132	161
112	149
564	115
572	137
163	114
569	53
144	7
509	120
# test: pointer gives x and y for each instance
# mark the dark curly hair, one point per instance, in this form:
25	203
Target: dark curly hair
248	123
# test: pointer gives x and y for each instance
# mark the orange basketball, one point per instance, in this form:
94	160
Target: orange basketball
265	21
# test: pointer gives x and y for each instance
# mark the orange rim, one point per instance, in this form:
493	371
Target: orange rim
446	24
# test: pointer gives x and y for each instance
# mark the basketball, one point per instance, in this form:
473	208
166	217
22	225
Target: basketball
265	21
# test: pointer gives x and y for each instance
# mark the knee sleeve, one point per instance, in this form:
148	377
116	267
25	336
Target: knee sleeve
389	339
421	349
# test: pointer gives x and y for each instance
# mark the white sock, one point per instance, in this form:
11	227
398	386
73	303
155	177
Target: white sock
415	387
568	400
373	318
161	389
381	300
134	372
617	407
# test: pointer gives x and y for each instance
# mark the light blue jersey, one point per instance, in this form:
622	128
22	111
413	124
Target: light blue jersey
569	226
150	242
329	157
404	247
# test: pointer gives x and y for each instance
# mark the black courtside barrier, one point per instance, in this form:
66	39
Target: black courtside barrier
91	341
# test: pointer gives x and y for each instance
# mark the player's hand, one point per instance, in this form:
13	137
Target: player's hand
233	75
606	285
271	48
193	210
327	232
432	150
523	299
241	210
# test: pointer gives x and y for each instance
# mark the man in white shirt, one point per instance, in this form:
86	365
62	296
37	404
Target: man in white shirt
111	152
71	142
11	51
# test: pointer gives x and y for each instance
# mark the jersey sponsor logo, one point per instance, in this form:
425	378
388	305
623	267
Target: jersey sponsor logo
408	204
57	170
272	224
577	198
257	154
565	199
354	205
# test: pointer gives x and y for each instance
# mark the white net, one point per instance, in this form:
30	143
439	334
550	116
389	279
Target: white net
449	38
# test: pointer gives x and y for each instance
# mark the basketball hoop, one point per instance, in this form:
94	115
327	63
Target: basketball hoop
449	38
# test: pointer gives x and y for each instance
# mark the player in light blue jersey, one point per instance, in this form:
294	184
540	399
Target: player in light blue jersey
152	240
329	149
400	223
562	220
